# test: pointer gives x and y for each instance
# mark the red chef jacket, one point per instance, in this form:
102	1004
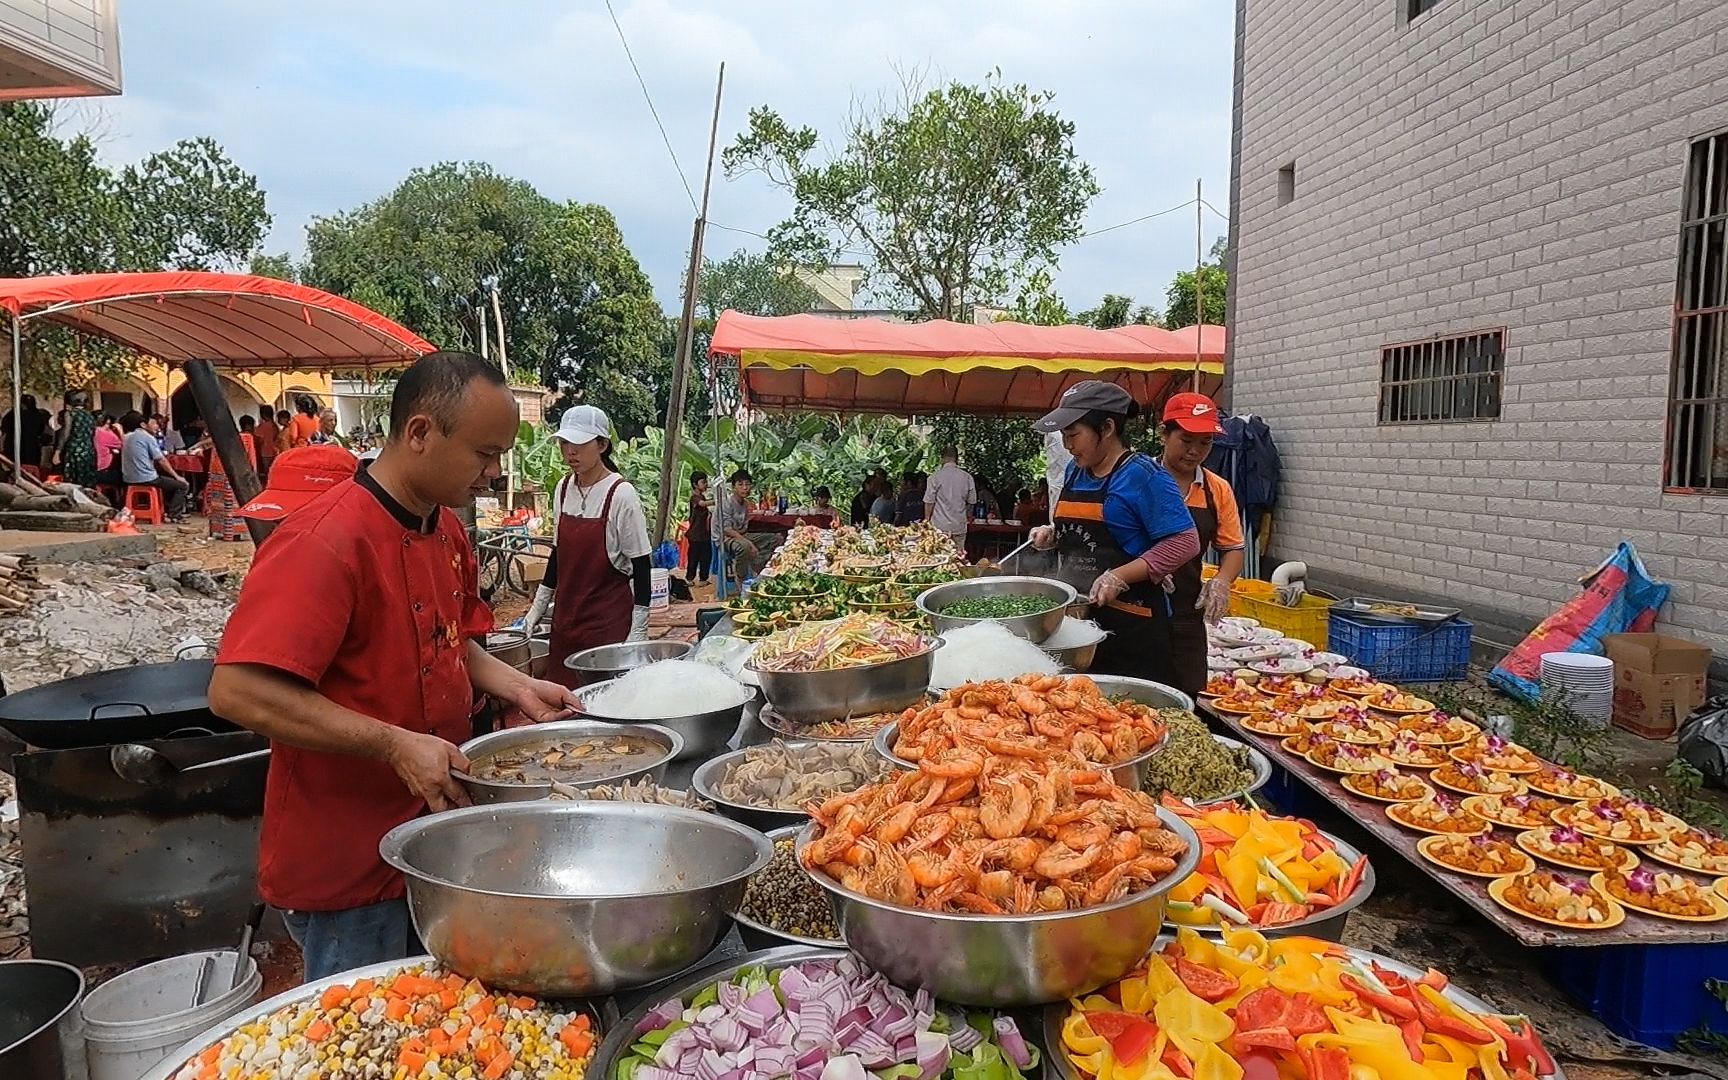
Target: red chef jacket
374	607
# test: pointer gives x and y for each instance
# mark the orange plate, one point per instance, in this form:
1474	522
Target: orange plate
1608	790
1424	846
1655	856
1559	819
1345	783
1411	764
1722	887
1234	710
1434	776
1526	841
1519	770
1309	758
1391	710
1259	729
1718	915
1398	820
1497	893
1476	809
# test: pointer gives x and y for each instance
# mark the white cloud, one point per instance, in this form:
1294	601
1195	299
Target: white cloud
331	103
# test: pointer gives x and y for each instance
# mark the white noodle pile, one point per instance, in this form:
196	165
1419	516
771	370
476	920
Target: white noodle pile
667	689
983	651
1073	633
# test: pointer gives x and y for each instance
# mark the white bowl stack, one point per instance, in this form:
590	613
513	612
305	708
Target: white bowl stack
1587	681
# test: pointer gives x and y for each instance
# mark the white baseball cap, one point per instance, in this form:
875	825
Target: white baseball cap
583	424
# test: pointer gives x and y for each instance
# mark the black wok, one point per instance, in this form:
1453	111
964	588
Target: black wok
135	704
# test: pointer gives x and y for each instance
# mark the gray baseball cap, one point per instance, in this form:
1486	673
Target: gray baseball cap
1082	398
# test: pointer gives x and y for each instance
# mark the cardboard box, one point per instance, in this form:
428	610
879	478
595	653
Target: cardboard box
1658	681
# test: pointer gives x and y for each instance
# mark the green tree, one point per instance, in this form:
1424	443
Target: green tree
1038	304
578	312
1214	282
281	267
954	195
63	212
743	282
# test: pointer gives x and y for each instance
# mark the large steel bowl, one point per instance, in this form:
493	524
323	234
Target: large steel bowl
573	899
1326	924
1129	774
814	696
1155	694
1257	760
704	733
757	935
610	661
497	791
705	781
1034	628
1006	961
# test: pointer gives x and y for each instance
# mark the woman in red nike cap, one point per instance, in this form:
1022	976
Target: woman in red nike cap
1190	423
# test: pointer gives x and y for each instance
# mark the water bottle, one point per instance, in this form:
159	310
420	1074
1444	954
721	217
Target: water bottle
782	504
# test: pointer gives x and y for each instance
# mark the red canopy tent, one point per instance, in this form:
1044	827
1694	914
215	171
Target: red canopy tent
872	365
204	320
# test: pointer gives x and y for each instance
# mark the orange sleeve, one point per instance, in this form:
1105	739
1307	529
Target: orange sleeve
1229	536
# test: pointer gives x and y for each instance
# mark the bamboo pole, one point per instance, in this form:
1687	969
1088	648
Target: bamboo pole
1199	281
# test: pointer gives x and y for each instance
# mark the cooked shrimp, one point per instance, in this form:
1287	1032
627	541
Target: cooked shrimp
1005	809
1060	861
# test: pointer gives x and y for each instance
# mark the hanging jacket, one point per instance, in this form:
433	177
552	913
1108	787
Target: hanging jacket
1246	456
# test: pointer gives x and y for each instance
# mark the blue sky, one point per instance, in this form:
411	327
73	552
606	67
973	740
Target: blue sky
331	104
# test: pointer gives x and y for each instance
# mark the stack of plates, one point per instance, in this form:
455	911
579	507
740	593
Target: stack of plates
1586	681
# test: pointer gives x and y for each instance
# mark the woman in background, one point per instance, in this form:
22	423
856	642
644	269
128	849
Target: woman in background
699	537
77	441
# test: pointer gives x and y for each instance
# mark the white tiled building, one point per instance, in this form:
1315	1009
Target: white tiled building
58	48
1458	229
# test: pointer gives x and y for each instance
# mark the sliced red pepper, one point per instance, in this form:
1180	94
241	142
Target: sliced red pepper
1267	1038
1108	1025
1204	983
1524	1047
1269	1007
1413	1034
1450	1026
1130	1037
1433	978
1327	1063
1257	1065
1353	877
1177	1062
1396	1007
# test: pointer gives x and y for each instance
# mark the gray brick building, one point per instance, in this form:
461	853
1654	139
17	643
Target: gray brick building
1458	230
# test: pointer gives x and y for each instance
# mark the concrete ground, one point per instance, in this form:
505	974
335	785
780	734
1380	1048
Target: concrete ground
60	547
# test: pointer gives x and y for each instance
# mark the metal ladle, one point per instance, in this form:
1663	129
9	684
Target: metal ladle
146	765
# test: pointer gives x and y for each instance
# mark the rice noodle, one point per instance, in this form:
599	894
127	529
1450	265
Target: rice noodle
1074	633
667	689
986	650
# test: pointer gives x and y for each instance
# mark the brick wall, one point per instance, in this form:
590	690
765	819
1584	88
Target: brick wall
1495	163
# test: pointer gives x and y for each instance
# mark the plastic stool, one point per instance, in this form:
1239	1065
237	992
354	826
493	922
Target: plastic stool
145	503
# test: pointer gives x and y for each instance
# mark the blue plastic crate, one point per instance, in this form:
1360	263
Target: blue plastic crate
1648	993
1404	652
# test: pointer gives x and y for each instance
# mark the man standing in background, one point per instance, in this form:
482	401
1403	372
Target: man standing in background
265	436
948	498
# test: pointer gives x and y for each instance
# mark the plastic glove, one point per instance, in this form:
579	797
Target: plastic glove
1214	600
537	609
1043	538
638	624
1106	588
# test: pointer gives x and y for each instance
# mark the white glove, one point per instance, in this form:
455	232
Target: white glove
1214	600
1107	588
537	609
1043	538
638	624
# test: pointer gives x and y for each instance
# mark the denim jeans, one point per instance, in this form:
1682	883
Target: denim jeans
336	941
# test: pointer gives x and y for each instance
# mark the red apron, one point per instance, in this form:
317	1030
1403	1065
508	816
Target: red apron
591	600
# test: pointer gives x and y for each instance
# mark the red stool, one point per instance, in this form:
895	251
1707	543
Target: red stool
145	503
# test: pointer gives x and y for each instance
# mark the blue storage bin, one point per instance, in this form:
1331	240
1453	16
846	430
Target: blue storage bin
1647	993
1403	652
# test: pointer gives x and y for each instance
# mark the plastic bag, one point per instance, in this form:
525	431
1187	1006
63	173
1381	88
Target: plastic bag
666	556
1703	742
1619	597
121	524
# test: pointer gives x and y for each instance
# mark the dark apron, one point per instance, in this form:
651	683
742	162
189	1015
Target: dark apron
592	602
1188	625
1139	620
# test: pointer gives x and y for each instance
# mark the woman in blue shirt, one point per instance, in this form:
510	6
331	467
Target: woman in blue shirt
1119	531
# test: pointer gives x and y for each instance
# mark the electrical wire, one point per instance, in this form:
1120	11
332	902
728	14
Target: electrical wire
628	55
1215	210
1135	221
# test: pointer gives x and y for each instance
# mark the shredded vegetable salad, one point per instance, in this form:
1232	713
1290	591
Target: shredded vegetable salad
821	1020
854	641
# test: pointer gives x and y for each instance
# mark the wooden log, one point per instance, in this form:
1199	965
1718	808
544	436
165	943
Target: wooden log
21	478
42	503
32	520
12	605
14	561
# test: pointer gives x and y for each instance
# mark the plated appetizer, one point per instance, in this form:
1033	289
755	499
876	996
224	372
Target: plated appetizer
1280	725
1501	755
1358	730
1467	779
1340	757
1358	687
1618	818
1438	729
1393	700
1388	785
1515	811
1566	784
1556	900
1575	850
1480	855
1413	755
1665	895
1440	815
1692	849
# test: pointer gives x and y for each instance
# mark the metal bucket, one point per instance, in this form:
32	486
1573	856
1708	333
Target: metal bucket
40	1036
510	646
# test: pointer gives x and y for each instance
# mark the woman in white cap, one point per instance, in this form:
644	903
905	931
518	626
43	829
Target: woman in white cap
1119	531
599	569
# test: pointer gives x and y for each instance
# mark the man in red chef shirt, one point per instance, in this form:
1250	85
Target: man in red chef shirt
352	649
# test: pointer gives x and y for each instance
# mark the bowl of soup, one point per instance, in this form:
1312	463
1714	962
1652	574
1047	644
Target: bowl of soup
526	763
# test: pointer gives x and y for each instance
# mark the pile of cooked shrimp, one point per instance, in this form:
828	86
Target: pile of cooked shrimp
1028	718
993	835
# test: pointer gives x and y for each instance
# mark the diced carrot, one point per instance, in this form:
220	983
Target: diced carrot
211	1053
494	1025
207	1071
523	1003
333	997
400	985
318	1030
412	1060
447	999
396	1009
579	1044
581	1022
363	988
480	1009
498	1066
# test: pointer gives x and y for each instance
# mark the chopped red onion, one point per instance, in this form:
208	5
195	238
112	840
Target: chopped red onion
1013	1044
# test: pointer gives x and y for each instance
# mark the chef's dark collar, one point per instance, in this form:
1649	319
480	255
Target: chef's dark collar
404	517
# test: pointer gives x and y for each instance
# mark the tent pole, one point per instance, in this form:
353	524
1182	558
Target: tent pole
1199	281
686	326
17	398
225	437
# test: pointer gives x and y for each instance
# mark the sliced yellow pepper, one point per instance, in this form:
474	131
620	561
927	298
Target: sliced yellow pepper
1234	823
1241	872
1189	889
1369	1042
1191	1023
1160	980
1214	1064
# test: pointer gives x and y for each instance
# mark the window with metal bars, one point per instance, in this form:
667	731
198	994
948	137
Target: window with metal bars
1443	380
1698	378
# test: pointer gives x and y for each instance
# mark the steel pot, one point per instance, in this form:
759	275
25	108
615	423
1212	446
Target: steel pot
496	791
814	696
39	1029
610	661
510	646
